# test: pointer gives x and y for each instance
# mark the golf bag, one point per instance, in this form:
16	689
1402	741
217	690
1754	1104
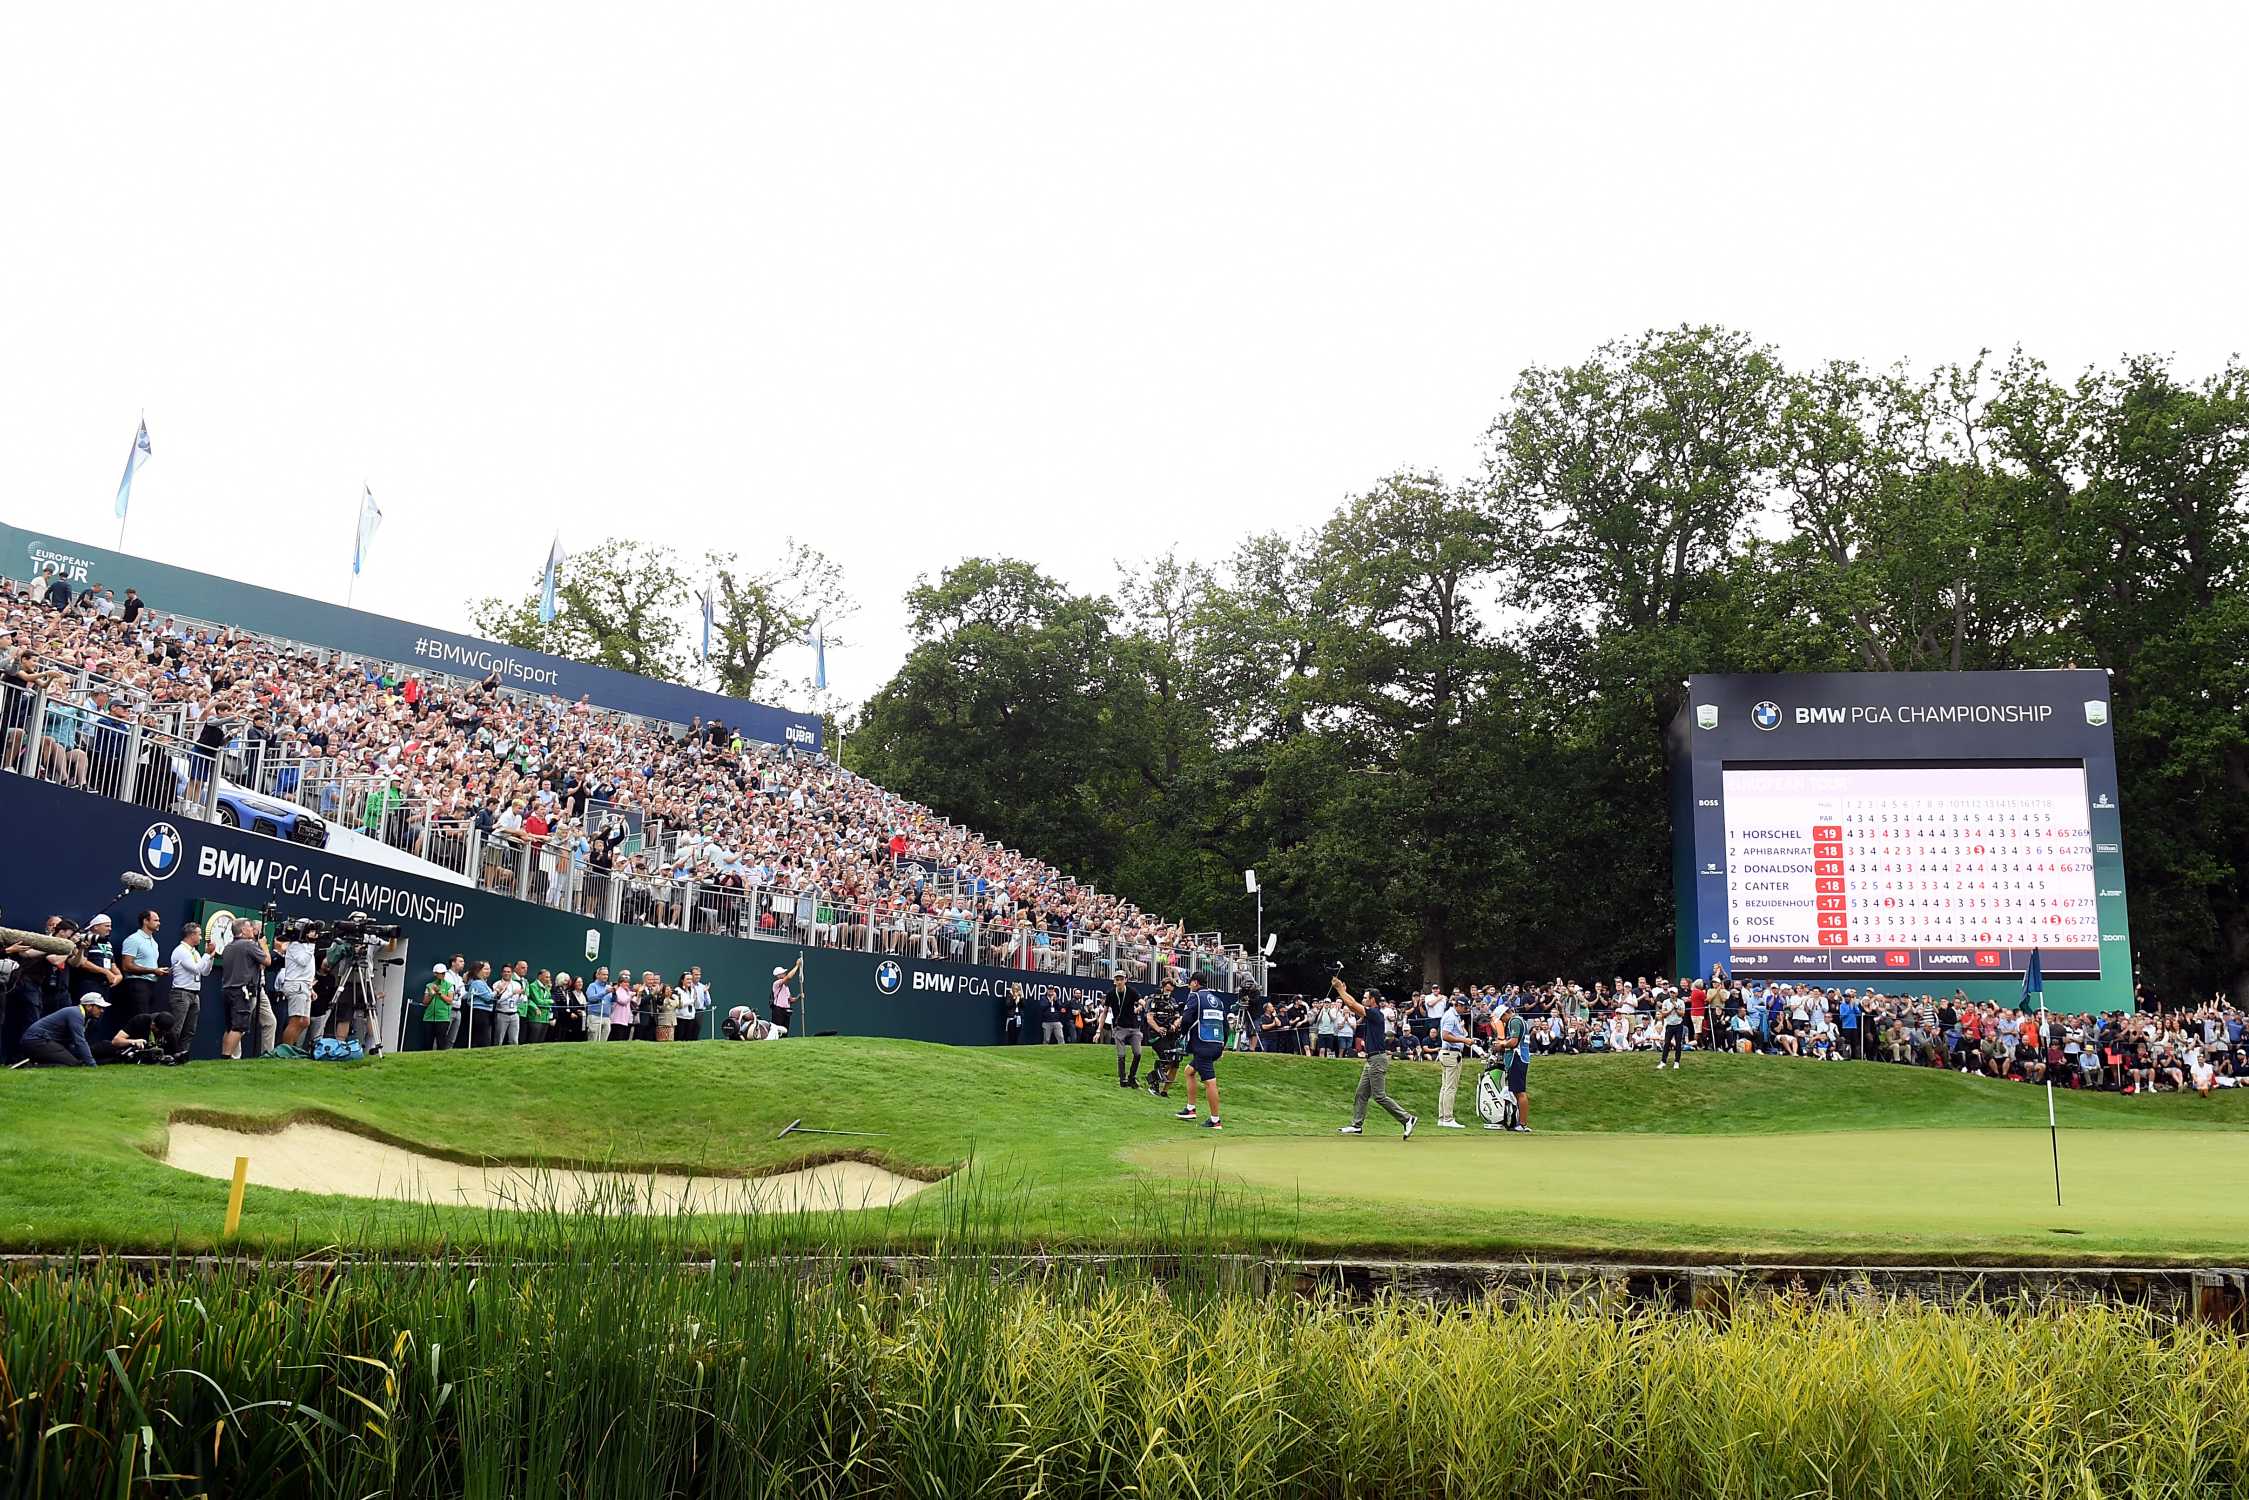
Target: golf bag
1494	1105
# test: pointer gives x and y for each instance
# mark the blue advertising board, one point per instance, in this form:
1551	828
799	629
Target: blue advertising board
204	596
78	846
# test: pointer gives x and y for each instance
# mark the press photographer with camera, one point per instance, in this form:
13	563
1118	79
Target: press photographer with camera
242	969
298	958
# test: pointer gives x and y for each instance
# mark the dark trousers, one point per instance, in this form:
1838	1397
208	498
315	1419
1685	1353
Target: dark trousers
480	1028
441	1034
182	1016
690	1029
135	998
1674	1043
46	1054
536	1031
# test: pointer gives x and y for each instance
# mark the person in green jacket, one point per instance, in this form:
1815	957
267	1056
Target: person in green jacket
437	1010
537	1006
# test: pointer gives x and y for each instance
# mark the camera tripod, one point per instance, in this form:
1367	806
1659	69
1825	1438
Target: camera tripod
355	998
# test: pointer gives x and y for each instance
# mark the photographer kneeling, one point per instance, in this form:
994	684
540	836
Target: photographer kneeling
60	1040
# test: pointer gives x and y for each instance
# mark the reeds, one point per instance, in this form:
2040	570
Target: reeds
603	1359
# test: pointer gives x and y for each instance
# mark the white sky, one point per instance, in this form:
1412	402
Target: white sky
1067	282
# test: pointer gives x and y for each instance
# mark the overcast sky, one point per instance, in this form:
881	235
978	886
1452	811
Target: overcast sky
1066	282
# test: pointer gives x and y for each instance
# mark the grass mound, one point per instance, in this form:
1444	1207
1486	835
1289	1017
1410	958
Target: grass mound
1074	1161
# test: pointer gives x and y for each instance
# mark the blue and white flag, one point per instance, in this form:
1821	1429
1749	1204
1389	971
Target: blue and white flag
2034	982
133	462
546	589
370	517
818	641
709	609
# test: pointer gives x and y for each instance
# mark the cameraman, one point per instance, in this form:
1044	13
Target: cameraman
297	961
41	987
242	985
1163	1020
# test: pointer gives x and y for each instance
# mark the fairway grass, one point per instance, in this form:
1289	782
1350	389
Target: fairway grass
1751	1158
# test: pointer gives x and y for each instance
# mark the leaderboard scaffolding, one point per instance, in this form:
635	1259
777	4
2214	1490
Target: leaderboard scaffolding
1909	869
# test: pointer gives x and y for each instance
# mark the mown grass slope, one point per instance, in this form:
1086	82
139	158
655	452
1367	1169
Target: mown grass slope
1059	1156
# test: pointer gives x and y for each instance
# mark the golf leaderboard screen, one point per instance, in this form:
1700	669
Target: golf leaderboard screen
1903	831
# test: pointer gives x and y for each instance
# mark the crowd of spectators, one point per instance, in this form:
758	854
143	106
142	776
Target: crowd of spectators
693	825
2149	1050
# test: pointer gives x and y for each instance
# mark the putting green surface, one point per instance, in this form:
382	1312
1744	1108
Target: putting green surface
1731	1158
1881	1190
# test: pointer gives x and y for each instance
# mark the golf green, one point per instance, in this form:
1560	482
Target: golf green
1037	1147
1887	1190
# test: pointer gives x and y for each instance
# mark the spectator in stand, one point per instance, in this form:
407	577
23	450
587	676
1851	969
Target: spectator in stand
598	1004
537	1006
624	1002
437	1009
481	1001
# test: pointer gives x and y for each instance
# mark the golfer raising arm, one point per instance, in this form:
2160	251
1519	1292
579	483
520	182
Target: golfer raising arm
1374	1078
782	1006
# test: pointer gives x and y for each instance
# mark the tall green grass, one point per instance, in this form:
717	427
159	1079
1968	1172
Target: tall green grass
601	1359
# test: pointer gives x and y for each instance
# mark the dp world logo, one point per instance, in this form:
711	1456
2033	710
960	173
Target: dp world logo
1765	715
887	977
160	850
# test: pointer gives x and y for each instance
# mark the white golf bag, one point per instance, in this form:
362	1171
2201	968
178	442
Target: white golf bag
1494	1105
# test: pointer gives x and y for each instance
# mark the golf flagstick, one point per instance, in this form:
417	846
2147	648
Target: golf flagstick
2034	982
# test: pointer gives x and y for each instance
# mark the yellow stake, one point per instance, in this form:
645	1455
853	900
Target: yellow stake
234	1198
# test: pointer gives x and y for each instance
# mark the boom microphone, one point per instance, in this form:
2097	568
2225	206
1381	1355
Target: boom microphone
134	880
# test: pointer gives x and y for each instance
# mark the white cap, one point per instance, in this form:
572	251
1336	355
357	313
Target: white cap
778	971
101	919
94	997
437	968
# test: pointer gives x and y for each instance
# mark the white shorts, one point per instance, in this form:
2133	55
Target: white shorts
300	1002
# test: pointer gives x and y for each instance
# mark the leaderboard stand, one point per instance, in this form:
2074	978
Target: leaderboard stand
1903	831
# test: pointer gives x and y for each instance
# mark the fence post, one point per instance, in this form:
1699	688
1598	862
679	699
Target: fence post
210	786
130	790
35	732
523	870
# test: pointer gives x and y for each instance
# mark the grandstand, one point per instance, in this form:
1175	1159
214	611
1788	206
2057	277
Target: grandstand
567	804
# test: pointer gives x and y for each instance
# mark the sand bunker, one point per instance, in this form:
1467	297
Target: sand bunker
321	1159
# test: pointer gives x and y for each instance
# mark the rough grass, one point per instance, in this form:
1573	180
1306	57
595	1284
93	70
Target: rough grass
592	1363
1077	1162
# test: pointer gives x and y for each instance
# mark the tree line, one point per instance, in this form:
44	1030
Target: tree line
1435	722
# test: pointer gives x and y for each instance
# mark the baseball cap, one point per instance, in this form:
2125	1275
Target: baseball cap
95	998
778	971
437	968
100	919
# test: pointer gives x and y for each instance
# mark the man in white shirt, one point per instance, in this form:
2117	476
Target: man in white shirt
183	1007
1452	1041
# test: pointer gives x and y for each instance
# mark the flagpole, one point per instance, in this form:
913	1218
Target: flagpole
129	460
2053	1131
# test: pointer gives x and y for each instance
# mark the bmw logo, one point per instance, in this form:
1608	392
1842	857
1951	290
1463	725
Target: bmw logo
887	976
160	850
1765	715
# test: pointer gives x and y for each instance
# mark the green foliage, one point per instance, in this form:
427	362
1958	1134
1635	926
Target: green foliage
635	606
608	1362
1436	724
